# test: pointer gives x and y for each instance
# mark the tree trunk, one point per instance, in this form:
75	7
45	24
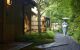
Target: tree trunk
39	19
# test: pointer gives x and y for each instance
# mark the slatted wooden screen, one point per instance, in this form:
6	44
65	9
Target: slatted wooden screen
34	24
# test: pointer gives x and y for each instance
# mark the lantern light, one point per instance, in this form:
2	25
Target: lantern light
9	2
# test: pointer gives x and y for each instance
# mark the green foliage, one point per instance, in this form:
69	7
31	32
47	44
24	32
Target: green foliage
74	28
45	37
76	7
51	34
57	9
76	36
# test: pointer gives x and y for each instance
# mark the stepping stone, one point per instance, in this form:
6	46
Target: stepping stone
54	44
19	46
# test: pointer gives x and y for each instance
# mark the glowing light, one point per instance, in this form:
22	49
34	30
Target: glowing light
34	10
9	2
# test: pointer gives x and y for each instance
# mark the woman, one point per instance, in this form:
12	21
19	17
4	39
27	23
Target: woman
64	28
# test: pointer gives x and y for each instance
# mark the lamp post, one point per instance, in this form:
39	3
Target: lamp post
64	26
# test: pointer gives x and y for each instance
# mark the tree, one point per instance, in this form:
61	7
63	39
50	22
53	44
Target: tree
75	18
39	3
58	9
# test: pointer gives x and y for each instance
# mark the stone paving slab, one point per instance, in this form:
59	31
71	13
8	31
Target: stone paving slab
19	46
54	44
72	45
15	46
59	40
61	43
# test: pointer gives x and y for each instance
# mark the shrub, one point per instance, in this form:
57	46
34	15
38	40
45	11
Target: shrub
45	37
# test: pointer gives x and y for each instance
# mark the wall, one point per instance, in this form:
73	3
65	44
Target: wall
1	18
12	21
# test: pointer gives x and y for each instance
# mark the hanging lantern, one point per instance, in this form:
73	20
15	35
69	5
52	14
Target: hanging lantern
9	2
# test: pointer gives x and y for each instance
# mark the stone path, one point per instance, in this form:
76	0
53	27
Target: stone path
15	46
20	45
61	43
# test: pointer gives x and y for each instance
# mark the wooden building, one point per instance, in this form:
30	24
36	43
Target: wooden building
15	16
34	24
12	14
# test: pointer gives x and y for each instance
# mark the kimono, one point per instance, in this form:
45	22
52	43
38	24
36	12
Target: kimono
64	27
